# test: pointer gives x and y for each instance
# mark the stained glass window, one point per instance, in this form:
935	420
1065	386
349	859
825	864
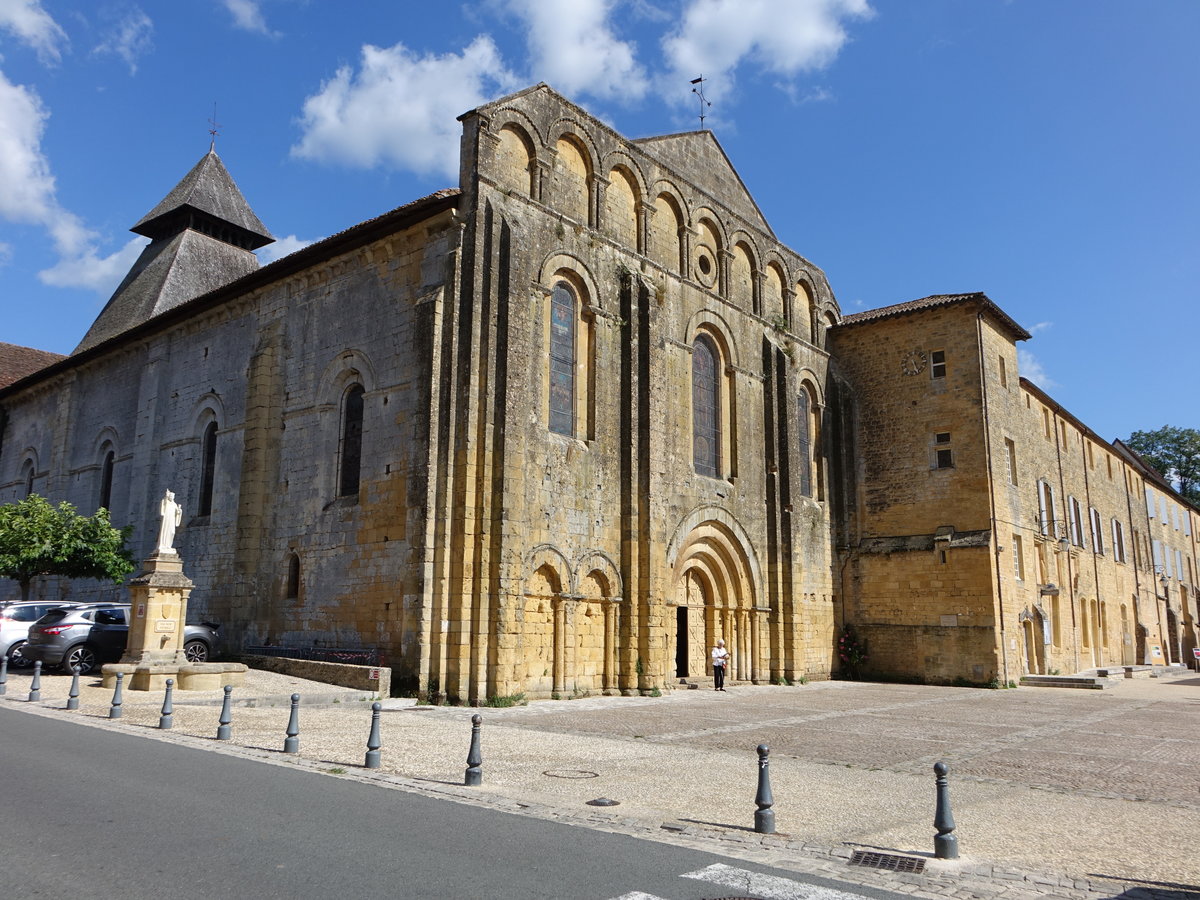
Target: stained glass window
706	408
562	360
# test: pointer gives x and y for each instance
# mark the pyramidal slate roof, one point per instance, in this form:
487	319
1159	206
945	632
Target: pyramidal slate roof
207	189
203	235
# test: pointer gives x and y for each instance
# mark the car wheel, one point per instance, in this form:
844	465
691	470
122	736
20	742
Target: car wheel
17	658
195	651
79	658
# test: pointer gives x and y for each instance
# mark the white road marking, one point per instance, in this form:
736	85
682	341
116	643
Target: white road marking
637	895
769	887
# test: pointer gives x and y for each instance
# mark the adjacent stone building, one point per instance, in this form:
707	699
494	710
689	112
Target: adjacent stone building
556	431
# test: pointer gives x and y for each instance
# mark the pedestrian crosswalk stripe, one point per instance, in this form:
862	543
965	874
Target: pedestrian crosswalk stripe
768	887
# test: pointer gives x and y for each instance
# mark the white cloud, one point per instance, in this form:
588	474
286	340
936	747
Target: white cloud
89	270
783	37
33	26
128	38
29	192
29	197
6	252
399	108
1031	368
248	17
281	248
1041	326
573	48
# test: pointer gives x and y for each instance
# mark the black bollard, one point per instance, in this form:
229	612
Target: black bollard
373	741
224	732
945	844
167	719
115	711
764	816
35	686
474	775
3	675
292	743
73	696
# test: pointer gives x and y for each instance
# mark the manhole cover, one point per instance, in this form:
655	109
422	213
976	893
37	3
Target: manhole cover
889	861
570	773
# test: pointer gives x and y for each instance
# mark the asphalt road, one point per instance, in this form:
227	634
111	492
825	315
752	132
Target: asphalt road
97	814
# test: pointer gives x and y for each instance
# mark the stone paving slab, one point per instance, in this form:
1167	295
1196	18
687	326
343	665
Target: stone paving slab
691	779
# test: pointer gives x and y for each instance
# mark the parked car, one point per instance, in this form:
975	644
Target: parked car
15	619
83	637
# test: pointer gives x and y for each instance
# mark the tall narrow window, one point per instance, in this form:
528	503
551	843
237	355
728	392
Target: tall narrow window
1097	530
29	478
293	577
805	442
706	408
943	454
562	360
106	476
1018	558
1010	457
208	468
352	430
1118	534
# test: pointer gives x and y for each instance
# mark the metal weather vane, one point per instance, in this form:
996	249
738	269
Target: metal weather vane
214	129
698	90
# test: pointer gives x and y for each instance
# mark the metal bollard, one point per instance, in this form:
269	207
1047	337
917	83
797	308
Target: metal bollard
764	816
945	844
3	675
224	732
35	686
73	696
474	774
373	741
115	711
292	743
167	719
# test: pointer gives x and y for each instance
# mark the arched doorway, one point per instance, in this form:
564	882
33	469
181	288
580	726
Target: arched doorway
715	588
1033	632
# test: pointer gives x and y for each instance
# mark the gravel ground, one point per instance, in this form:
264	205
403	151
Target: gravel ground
1080	783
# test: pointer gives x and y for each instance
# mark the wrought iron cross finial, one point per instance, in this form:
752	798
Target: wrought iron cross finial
214	130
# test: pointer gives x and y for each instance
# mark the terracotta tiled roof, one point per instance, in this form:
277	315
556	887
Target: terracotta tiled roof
932	302
17	362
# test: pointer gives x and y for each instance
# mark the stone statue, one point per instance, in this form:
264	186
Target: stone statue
172	515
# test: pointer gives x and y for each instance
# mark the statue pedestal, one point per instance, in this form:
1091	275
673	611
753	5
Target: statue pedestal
158	610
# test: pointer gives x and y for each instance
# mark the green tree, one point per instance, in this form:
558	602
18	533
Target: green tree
39	539
1175	453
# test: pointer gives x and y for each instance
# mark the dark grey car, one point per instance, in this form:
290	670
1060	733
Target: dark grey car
83	637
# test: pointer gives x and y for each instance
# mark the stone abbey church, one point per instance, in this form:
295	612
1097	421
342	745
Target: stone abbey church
558	430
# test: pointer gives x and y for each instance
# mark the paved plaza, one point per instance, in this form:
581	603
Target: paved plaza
1064	793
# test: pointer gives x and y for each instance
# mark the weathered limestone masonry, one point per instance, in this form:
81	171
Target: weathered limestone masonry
996	535
557	431
578	548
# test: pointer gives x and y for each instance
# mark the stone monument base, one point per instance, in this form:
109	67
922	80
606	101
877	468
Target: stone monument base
188	676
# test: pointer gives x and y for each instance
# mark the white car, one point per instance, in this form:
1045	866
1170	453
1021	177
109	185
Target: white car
15	620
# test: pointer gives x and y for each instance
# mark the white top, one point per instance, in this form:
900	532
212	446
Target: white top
720	656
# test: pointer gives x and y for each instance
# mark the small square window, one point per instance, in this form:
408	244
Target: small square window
942	437
937	364
945	459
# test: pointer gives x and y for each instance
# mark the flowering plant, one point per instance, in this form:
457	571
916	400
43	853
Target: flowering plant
851	651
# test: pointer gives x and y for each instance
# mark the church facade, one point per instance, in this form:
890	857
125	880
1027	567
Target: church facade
557	431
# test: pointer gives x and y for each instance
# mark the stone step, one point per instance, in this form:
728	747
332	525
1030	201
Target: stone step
1079	682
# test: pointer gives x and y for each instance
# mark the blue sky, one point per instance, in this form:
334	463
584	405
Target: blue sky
1043	151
